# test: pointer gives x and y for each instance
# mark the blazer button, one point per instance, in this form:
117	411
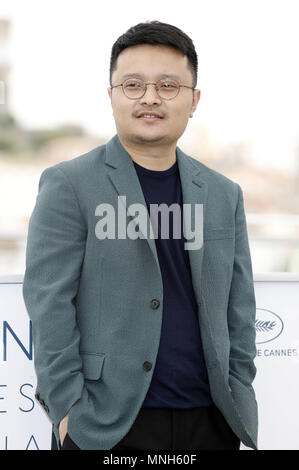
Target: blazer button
46	408
147	365
155	303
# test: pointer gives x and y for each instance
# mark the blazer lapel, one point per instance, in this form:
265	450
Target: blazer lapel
123	176
194	191
125	180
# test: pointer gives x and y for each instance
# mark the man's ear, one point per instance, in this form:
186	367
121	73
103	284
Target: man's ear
195	101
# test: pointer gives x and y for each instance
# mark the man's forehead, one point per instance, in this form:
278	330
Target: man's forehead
140	66
158	76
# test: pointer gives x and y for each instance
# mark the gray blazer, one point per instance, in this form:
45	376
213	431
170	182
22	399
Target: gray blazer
96	328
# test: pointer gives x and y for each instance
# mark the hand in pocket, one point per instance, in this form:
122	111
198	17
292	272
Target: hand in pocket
63	428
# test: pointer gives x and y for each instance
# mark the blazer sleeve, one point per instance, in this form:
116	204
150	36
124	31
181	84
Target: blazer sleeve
54	253
242	304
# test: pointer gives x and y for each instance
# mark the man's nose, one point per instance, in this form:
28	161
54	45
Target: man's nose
151	94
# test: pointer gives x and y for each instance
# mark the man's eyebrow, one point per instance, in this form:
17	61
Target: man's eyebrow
163	75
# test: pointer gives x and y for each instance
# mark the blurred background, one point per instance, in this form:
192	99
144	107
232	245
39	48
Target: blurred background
54	105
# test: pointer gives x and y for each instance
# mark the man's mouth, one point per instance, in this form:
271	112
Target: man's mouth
150	117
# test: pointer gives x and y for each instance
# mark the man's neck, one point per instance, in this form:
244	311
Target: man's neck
154	158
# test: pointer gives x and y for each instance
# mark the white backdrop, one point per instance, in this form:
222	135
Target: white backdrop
25	425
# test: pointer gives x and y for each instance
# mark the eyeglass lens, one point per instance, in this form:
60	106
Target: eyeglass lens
167	89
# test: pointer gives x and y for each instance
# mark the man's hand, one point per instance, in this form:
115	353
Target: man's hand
63	428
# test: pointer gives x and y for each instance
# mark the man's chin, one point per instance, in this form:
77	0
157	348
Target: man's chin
147	138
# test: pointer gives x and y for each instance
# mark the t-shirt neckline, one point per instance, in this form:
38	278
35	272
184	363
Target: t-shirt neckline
157	173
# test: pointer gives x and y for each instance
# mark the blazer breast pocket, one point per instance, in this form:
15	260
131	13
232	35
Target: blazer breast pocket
220	233
92	365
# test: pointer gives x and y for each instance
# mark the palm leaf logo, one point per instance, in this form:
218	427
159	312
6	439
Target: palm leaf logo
261	325
268	325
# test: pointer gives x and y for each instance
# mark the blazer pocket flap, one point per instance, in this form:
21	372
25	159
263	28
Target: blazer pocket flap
92	365
218	233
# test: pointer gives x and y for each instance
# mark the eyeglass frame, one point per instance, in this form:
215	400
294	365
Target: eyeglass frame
150	83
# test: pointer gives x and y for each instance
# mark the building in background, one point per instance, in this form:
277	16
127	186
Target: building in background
5	64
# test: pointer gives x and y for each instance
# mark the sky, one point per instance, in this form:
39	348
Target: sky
248	67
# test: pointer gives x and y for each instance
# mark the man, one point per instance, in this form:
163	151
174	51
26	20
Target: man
139	342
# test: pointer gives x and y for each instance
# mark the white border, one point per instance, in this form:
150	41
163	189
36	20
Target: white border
278	276
12	279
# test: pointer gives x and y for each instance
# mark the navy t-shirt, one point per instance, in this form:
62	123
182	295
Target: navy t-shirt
180	377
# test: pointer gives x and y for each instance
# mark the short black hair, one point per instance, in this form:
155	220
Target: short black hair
156	33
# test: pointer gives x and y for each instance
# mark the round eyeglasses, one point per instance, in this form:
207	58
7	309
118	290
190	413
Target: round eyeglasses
135	88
